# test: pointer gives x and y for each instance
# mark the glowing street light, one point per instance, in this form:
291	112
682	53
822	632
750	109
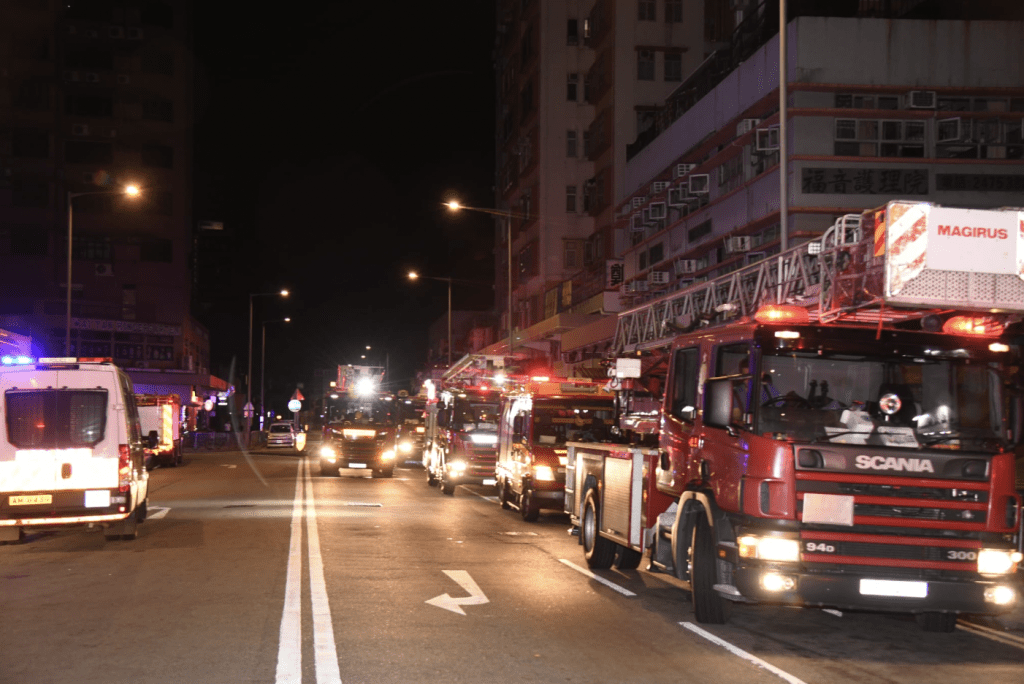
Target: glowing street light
129	190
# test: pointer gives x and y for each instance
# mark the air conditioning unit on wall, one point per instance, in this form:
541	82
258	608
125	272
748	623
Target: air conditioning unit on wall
700	184
738	244
658	277
681	170
683	266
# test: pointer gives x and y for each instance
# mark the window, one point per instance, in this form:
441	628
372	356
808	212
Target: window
645	65
30	143
55	418
673	12
30	193
83	152
673	66
879	138
158	110
158	63
572	87
570	144
89	105
646	11
586	144
684	384
699	231
572	32
644	120
570	198
91	248
573	254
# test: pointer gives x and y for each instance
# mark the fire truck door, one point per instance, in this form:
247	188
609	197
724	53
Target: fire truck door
678	428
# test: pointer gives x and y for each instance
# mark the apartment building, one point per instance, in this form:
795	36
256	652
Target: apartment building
95	96
577	81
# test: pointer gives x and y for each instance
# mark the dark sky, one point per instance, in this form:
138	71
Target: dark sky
326	141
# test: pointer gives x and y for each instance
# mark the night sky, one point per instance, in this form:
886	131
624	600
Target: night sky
326	141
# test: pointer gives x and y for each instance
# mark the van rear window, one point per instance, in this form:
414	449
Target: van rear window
55	418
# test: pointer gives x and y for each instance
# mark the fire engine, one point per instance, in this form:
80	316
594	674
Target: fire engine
836	427
537	419
160	418
461	445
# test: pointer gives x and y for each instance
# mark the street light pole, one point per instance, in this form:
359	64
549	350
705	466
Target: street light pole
263	363
413	275
248	377
131	191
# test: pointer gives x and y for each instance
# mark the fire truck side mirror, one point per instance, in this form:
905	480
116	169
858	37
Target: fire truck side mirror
1016	417
718	403
152	439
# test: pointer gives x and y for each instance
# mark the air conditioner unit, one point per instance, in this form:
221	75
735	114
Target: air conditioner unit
123	79
80	129
658	277
683	266
681	170
134	33
657	210
659	186
636	223
768	139
70	75
737	244
115	32
921	99
637	286
677	196
700	184
92	77
638	202
745	126
104	270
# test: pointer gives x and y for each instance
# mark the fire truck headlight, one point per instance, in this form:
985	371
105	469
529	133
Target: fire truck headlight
484	439
543	473
328	453
777	549
388	455
457	466
997	561
774	582
1000	595
405	447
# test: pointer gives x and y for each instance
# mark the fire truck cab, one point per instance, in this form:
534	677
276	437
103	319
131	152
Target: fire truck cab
537	421
461	437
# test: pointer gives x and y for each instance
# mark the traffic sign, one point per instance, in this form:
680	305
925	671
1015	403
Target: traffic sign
294	405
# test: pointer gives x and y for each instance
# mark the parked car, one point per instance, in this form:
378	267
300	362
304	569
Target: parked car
281	435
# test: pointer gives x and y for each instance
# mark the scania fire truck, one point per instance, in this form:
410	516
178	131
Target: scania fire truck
836	427
461	445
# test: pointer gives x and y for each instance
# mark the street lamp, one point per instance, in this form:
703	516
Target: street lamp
131	191
263	361
413	275
248	378
455	205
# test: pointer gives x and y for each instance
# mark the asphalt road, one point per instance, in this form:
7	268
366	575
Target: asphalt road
301	578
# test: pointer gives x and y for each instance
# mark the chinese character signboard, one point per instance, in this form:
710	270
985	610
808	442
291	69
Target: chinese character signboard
897	182
614	273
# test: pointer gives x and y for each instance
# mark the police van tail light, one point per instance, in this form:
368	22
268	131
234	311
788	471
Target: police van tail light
124	467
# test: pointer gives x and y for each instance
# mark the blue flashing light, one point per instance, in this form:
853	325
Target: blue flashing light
19	360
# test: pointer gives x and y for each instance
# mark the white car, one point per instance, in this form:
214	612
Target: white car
281	435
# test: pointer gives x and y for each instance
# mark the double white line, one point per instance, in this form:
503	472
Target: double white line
289	653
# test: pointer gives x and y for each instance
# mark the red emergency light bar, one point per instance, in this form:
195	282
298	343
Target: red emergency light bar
979	326
782	313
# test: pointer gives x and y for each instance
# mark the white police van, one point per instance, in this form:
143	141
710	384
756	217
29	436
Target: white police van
71	453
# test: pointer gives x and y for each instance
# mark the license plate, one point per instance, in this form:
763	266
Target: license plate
828	509
356	465
872	587
489	481
30	499
97	498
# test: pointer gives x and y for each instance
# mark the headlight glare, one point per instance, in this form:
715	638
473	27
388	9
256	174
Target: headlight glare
484	438
778	549
997	561
543	473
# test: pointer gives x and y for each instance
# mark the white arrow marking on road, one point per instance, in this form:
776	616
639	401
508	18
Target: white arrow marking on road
155	513
475	598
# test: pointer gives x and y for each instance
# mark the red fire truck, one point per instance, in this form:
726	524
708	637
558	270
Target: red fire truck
537	420
836	427
461	445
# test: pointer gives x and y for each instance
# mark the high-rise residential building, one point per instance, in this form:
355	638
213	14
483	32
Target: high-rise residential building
577	81
95	96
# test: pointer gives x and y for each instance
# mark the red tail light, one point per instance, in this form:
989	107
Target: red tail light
124	467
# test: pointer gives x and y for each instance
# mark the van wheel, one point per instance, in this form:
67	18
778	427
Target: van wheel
937	622
598	551
708	606
528	506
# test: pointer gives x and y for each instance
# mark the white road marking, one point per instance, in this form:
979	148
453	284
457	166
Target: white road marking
156	512
598	578
476	596
225	465
324	648
735	650
832	611
992	634
289	650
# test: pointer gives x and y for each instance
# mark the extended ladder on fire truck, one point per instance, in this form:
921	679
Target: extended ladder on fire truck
899	262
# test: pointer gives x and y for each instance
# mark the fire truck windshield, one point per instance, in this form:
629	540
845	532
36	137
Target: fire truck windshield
572	422
935	397
472	414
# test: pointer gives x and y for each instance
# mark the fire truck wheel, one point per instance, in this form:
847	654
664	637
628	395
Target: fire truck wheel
708	606
598	551
627	558
447	487
503	495
937	622
431	480
528	506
